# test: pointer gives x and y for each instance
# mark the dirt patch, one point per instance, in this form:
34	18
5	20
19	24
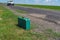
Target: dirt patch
0	18
50	18
42	25
38	15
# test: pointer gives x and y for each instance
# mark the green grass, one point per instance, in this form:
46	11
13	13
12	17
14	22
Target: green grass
9	30
41	6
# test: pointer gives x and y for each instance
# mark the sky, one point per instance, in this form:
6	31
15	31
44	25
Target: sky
39	2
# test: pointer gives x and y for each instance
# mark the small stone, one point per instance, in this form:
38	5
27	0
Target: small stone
58	22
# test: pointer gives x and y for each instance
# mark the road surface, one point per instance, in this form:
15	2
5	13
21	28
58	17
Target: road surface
36	10
51	14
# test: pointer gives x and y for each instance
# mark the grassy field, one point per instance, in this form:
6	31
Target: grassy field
41	6
10	31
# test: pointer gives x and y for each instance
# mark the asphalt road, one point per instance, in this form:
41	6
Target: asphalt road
36	10
51	13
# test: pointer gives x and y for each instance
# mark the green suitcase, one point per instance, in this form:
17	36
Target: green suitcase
24	22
